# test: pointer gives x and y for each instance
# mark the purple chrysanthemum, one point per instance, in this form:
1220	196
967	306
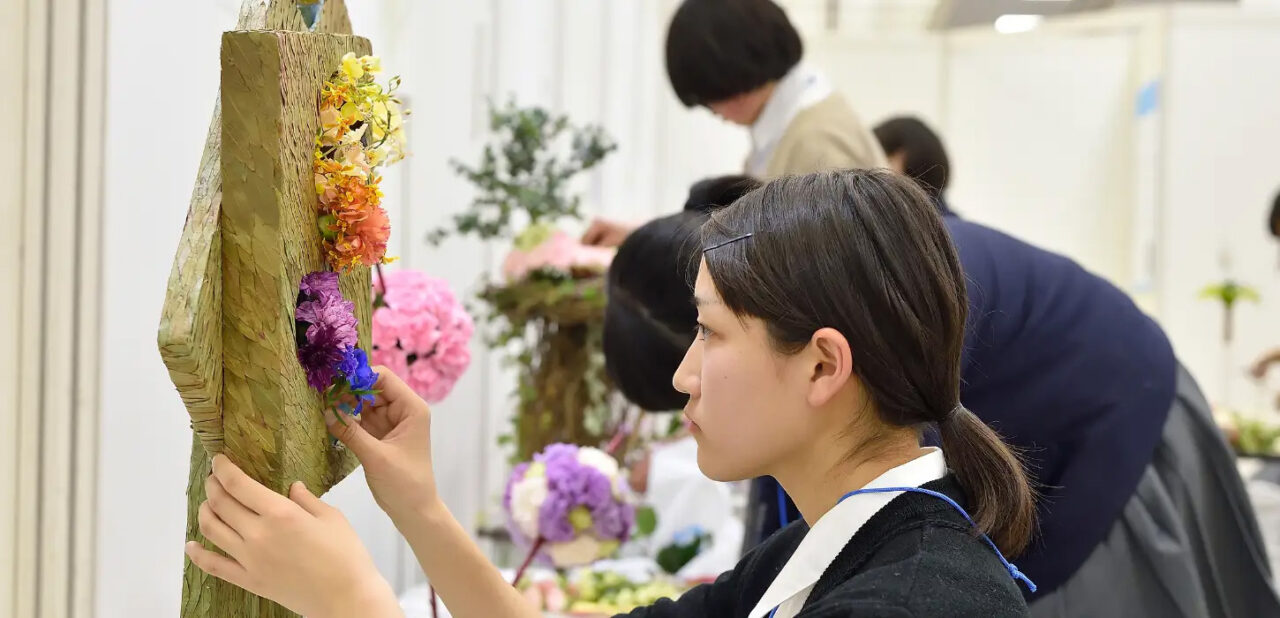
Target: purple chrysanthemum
557	451
516	474
569	485
330	324
613	520
320	283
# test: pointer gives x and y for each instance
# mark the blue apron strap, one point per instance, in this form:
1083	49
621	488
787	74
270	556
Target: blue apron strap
782	507
1013	570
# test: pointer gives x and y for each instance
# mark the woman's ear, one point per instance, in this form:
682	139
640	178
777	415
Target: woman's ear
831	360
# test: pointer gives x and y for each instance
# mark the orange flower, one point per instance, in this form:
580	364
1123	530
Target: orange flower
364	240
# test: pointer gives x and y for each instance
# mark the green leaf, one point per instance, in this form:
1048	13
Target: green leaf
646	522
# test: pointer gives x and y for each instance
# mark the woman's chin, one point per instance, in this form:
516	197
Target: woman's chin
718	469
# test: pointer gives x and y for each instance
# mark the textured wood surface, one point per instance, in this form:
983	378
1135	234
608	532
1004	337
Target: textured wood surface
190	329
190	336
272	421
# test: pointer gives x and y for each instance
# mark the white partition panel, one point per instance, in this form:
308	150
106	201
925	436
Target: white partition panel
1040	135
885	76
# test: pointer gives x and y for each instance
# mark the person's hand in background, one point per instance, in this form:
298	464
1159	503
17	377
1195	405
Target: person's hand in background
1260	367
605	233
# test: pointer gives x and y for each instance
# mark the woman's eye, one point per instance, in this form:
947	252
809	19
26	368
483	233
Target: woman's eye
703	331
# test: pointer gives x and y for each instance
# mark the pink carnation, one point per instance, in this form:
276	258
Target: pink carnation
560	252
421	333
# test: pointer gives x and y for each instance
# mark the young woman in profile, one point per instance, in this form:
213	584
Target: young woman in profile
831	313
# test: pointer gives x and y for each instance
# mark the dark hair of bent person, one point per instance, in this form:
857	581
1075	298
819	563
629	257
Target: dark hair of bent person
1275	217
901	305
710	194
650	319
923	155
719	49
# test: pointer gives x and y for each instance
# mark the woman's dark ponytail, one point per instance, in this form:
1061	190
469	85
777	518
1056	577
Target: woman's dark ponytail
1001	499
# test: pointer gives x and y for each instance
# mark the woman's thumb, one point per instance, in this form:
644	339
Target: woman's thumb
349	432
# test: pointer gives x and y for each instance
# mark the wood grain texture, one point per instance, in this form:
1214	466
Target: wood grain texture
190	327
272	421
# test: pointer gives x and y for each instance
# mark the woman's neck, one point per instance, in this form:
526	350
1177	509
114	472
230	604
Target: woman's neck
818	478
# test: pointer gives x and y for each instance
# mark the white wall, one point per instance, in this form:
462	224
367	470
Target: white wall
163	80
1039	127
885	76
1039	130
1220	173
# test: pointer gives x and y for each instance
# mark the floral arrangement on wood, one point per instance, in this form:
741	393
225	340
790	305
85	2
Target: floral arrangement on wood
548	311
327	344
569	505
420	331
361	130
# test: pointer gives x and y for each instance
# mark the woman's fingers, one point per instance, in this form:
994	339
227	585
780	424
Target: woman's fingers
217	531
219	566
248	492
303	497
228	509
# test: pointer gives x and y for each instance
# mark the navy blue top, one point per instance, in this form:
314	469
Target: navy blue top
1064	366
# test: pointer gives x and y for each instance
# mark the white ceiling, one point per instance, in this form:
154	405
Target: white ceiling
897	16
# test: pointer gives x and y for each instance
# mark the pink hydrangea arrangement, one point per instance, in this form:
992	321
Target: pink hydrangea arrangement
540	247
420	332
569	504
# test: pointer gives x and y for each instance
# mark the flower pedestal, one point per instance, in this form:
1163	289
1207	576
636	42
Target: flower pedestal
564	392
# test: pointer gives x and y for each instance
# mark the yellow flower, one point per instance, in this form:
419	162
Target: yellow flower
350	113
352	68
372	64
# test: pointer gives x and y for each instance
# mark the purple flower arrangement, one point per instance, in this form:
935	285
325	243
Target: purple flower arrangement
570	503
327	343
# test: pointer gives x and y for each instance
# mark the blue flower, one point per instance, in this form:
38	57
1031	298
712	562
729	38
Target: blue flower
360	377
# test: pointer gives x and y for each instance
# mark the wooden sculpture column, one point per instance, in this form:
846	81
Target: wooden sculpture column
227	329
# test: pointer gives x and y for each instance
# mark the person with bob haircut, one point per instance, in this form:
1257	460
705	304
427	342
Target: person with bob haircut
827	388
742	59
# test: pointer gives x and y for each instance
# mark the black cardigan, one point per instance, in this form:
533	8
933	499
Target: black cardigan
916	557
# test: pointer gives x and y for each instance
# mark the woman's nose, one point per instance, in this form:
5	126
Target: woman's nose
688	376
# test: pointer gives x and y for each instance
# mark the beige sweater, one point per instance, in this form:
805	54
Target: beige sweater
827	135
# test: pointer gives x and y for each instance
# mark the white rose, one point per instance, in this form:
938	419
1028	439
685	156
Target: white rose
582	550
600	460
527	497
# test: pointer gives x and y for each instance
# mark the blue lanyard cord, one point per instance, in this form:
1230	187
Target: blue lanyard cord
1013	570
782	506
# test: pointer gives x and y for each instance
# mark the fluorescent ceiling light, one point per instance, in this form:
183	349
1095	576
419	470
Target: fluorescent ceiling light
1010	24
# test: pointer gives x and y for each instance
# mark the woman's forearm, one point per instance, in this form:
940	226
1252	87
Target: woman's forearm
463	577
